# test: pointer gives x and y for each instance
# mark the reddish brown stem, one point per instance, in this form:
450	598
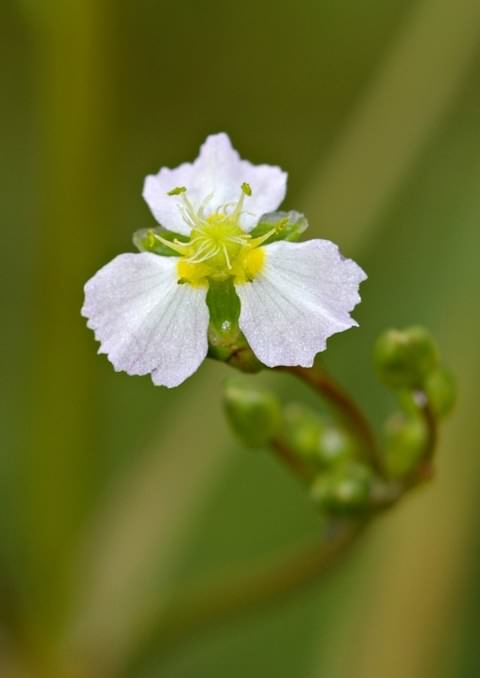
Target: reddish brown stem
290	459
324	384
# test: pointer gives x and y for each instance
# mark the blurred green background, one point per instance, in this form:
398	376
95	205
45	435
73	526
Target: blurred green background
113	492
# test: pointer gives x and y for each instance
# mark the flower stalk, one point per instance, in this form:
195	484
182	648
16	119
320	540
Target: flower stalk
201	608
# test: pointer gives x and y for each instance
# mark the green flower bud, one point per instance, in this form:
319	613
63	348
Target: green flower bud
343	489
302	430
441	391
335	445
404	358
316	438
406	436
254	414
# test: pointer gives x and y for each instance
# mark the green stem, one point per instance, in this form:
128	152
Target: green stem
321	382
424	471
199	609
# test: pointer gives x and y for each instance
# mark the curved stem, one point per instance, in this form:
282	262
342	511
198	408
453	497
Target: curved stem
318	379
431	426
199	609
424	471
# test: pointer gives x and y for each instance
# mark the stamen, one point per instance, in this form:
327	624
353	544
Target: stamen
227	258
201	209
256	242
189	209
240	239
212	252
186	218
197	238
246	191
227	206
205	245
174	245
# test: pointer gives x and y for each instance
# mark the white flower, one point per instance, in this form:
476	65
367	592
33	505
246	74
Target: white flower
149	312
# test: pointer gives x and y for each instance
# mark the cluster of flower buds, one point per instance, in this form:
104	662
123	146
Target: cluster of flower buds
329	452
408	362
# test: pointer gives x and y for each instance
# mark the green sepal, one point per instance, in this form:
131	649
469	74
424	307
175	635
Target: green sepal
254	414
288	226
145	241
343	489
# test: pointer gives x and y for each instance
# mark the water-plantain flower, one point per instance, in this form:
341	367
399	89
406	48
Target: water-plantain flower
150	312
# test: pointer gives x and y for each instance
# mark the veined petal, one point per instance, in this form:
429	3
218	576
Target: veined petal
147	322
218	174
167	209
304	295
221	172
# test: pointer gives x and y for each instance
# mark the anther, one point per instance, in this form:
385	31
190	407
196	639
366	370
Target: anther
178	190
246	188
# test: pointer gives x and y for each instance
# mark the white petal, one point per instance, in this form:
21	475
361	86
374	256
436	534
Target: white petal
217	172
147	322
304	295
166	208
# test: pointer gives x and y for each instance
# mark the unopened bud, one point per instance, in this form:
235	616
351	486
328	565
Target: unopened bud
343	489
254	414
441	391
315	437
405	358
406	437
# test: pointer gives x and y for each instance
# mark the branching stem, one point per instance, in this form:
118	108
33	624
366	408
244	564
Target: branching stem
318	379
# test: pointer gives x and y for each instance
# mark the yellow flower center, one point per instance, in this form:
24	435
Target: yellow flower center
218	248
